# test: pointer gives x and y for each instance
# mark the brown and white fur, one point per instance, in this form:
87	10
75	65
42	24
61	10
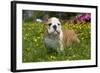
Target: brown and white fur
58	38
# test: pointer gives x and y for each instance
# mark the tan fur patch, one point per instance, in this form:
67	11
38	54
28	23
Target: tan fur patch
69	36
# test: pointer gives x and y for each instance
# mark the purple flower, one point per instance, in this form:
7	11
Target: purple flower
83	17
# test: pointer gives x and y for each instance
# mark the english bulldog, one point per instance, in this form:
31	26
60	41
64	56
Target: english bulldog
58	38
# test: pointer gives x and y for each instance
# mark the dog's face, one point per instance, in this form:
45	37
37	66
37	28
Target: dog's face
53	26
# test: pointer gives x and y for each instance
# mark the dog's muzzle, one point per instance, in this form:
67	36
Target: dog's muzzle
54	27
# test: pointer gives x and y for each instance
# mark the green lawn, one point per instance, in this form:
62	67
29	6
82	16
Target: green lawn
35	51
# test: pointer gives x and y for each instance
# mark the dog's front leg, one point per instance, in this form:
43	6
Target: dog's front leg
60	49
61	42
61	46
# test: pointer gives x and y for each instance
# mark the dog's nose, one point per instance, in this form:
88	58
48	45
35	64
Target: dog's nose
55	27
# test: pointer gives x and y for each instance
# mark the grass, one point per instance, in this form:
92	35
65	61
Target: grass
35	51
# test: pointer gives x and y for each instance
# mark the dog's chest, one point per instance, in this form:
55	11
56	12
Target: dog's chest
52	41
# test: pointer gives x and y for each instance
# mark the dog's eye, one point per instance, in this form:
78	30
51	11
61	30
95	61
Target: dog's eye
58	24
49	24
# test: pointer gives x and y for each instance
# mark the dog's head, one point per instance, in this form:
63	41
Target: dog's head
53	26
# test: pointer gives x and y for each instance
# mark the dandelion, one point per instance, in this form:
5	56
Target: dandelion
27	34
52	57
74	56
38	37
29	28
27	49
82	38
35	40
24	38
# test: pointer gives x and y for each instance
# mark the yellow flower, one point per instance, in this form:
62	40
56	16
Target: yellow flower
24	38
38	37
52	57
35	40
82	38
74	55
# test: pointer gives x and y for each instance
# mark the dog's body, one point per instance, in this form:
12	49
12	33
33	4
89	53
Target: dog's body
57	38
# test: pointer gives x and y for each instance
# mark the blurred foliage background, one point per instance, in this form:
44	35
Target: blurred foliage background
29	15
33	30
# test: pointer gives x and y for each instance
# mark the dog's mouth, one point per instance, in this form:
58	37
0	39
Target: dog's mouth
56	32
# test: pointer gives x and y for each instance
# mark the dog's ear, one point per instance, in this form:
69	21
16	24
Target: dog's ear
60	20
46	18
47	21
